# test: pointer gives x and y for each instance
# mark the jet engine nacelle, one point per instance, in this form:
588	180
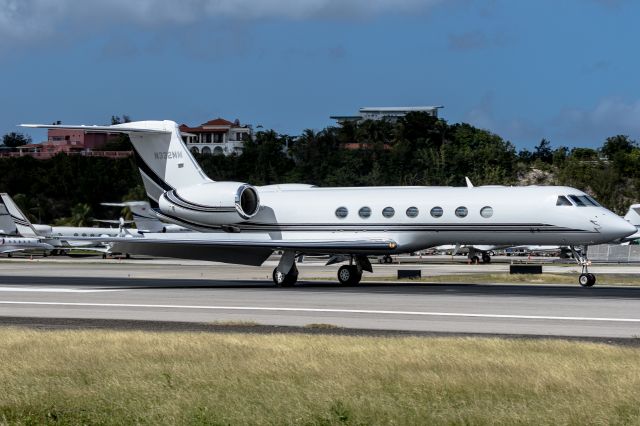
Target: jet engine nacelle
212	203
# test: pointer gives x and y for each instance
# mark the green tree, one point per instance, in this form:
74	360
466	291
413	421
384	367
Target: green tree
13	140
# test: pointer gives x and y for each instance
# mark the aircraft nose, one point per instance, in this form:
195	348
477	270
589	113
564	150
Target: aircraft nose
617	228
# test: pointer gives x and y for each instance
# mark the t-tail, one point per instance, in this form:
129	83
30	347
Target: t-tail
23	225
178	189
163	159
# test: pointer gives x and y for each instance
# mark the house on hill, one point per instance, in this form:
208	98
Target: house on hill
217	136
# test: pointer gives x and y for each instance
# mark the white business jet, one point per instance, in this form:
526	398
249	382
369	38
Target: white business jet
348	223
60	238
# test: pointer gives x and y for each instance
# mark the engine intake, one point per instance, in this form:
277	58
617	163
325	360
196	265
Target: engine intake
212	203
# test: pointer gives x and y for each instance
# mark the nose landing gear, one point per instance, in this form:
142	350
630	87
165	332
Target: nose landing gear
586	279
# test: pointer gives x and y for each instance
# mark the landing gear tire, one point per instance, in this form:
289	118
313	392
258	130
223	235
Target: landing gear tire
285	280
587	280
475	260
349	275
486	258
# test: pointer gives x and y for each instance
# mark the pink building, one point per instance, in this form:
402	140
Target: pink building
70	142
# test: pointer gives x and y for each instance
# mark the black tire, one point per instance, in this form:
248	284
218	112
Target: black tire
285	280
475	260
587	280
486	258
349	275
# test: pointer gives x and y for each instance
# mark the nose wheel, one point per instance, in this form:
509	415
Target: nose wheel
587	280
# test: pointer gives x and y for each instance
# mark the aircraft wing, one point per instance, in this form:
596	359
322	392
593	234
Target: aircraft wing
243	250
12	250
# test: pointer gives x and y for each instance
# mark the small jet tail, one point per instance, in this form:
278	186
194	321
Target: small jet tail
633	215
7	226
144	218
22	224
164	161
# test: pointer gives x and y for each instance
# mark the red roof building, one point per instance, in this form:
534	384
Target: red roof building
217	136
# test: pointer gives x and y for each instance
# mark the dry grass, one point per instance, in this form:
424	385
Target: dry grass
106	377
545	278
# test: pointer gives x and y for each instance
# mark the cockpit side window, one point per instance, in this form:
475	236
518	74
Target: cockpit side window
563	201
577	200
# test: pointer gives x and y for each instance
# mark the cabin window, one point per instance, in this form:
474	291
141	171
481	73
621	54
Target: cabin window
342	212
462	211
577	200
486	212
437	212
412	211
388	212
364	212
563	201
75	234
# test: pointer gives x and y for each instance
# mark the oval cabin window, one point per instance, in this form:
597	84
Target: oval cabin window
412	211
364	212
462	211
342	212
437	212
486	212
388	212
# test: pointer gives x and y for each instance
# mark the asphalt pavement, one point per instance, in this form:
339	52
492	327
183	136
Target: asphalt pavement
173	292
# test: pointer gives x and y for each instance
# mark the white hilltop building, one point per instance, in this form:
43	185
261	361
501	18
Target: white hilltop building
217	136
386	113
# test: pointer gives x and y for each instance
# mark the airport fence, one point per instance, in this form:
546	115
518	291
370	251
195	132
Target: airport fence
614	253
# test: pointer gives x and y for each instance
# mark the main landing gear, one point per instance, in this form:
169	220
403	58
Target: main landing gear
289	279
586	278
475	256
286	273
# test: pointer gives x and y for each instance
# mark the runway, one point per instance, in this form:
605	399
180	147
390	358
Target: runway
554	310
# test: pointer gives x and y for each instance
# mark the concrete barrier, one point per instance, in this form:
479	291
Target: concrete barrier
525	268
409	273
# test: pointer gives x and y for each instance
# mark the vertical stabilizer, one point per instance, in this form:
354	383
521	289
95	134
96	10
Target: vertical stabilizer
7	226
633	215
164	161
22	224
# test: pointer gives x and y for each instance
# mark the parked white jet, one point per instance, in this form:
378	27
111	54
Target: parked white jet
61	238
352	222
10	245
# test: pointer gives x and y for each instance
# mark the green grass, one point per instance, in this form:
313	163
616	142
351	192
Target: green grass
109	377
545	278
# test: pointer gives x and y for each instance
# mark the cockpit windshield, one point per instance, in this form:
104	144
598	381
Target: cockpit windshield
582	201
594	202
577	201
563	201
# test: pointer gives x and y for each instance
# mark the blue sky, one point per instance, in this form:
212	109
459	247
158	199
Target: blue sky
565	70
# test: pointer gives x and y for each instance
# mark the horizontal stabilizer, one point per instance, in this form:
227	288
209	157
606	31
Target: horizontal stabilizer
116	128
